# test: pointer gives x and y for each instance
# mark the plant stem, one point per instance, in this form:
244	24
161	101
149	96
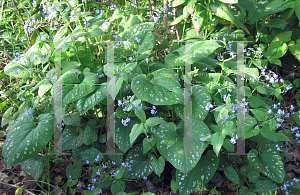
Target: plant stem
23	22
150	142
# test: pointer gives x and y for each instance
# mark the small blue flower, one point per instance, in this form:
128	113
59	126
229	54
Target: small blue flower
73	35
125	109
145	178
209	136
22	99
135	105
87	162
269	112
153	112
93	187
232	140
135	52
112	162
123	164
93	180
30	111
149	140
292	107
137	39
203	139
147	60
130	169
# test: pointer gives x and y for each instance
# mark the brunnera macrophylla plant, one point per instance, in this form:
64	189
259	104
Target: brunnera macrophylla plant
149	121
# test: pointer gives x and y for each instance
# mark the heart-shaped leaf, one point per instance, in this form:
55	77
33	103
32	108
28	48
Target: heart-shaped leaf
154	93
201	173
25	140
33	166
174	147
158	165
139	163
268	162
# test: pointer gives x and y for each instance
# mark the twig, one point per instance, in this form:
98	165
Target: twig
103	3
176	27
151	12
137	7
23	22
10	92
166	14
8	118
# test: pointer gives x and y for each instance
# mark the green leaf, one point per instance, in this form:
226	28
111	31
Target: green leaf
34	167
72	95
200	98
268	161
26	140
202	173
140	164
158	165
200	51
116	15
124	193
140	114
90	135
123	133
172	146
147	26
154	93
296	83
59	34
22	64
223	11
177	20
91	154
274	4
260	115
153	121
251	173
72	119
190	8
262	90
88	102
117	186
2	133
217	140
274	23
174	186
232	175
265	187
228	145
72	138
255	101
176	3
230	1
7	114
136	130
269	133
147	145
95	32
121	173
74	171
